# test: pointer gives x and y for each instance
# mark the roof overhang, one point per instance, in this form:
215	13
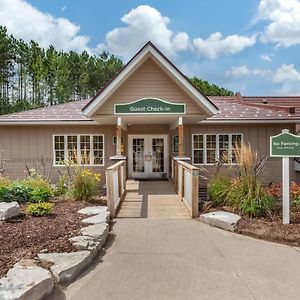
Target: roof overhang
149	50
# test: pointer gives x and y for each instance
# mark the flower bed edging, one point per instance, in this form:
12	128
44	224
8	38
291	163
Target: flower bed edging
64	266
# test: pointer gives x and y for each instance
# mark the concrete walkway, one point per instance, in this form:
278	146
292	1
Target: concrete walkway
185	259
153	200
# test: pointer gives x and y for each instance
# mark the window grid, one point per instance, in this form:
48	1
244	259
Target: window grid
85	148
208	151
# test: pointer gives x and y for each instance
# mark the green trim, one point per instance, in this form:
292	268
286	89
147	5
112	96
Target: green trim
150	106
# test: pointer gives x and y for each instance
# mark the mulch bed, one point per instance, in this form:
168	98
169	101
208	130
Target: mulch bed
25	236
272	229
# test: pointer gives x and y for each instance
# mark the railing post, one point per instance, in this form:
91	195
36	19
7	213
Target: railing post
176	176
195	193
110	192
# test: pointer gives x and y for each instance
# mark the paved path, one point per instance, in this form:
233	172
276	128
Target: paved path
153	200
185	259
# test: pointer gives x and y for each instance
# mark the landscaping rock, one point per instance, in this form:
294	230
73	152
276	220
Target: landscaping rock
85	243
9	210
99	218
93	210
26	281
66	266
98	232
220	219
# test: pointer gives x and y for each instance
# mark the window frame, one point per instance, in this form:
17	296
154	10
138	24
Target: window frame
217	148
173	144
55	164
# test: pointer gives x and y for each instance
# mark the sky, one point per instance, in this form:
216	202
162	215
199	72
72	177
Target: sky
250	46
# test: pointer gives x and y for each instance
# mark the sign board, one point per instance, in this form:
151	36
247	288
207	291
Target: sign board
285	144
150	106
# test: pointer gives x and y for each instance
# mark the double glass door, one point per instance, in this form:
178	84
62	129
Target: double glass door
148	156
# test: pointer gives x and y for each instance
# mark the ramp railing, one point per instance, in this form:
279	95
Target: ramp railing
186	180
116	176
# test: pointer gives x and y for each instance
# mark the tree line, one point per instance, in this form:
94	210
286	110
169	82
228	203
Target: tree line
32	77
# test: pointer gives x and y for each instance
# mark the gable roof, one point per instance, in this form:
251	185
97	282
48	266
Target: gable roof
149	50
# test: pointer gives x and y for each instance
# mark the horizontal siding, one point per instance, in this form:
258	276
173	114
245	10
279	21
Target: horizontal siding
149	81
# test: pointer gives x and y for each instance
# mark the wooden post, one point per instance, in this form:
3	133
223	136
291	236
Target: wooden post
195	193
110	193
180	138
119	138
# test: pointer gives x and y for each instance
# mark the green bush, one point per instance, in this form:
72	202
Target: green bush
26	190
4	181
16	192
251	199
40	209
61	186
218	188
85	184
40	194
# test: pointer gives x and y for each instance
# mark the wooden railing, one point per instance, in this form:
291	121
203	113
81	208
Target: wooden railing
116	176
186	180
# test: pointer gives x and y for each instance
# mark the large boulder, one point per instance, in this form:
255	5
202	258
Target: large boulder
66	266
221	219
9	210
26	281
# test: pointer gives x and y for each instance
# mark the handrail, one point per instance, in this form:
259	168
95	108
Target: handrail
186	180
116	176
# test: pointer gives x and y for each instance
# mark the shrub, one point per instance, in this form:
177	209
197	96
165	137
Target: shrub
295	194
16	192
4	181
275	190
40	194
61	186
40	209
218	188
84	185
36	182
251	199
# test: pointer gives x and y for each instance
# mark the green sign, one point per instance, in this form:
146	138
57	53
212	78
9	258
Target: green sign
150	106
285	144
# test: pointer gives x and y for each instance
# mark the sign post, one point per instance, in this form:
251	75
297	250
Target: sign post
285	145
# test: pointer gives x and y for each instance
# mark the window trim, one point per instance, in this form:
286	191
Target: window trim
54	164
217	147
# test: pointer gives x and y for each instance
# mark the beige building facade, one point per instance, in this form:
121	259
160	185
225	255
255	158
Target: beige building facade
148	114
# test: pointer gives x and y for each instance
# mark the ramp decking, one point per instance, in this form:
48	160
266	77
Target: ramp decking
152	199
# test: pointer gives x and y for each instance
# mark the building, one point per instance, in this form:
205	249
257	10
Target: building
148	113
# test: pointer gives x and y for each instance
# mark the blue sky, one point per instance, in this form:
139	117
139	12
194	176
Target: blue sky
249	46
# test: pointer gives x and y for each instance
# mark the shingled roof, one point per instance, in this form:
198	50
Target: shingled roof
231	108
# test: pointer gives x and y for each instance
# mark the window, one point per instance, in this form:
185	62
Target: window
198	146
208	148
79	149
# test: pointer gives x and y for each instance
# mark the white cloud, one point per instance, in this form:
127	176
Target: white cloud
63	8
144	23
216	45
28	23
266	57
286	73
244	71
283	28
